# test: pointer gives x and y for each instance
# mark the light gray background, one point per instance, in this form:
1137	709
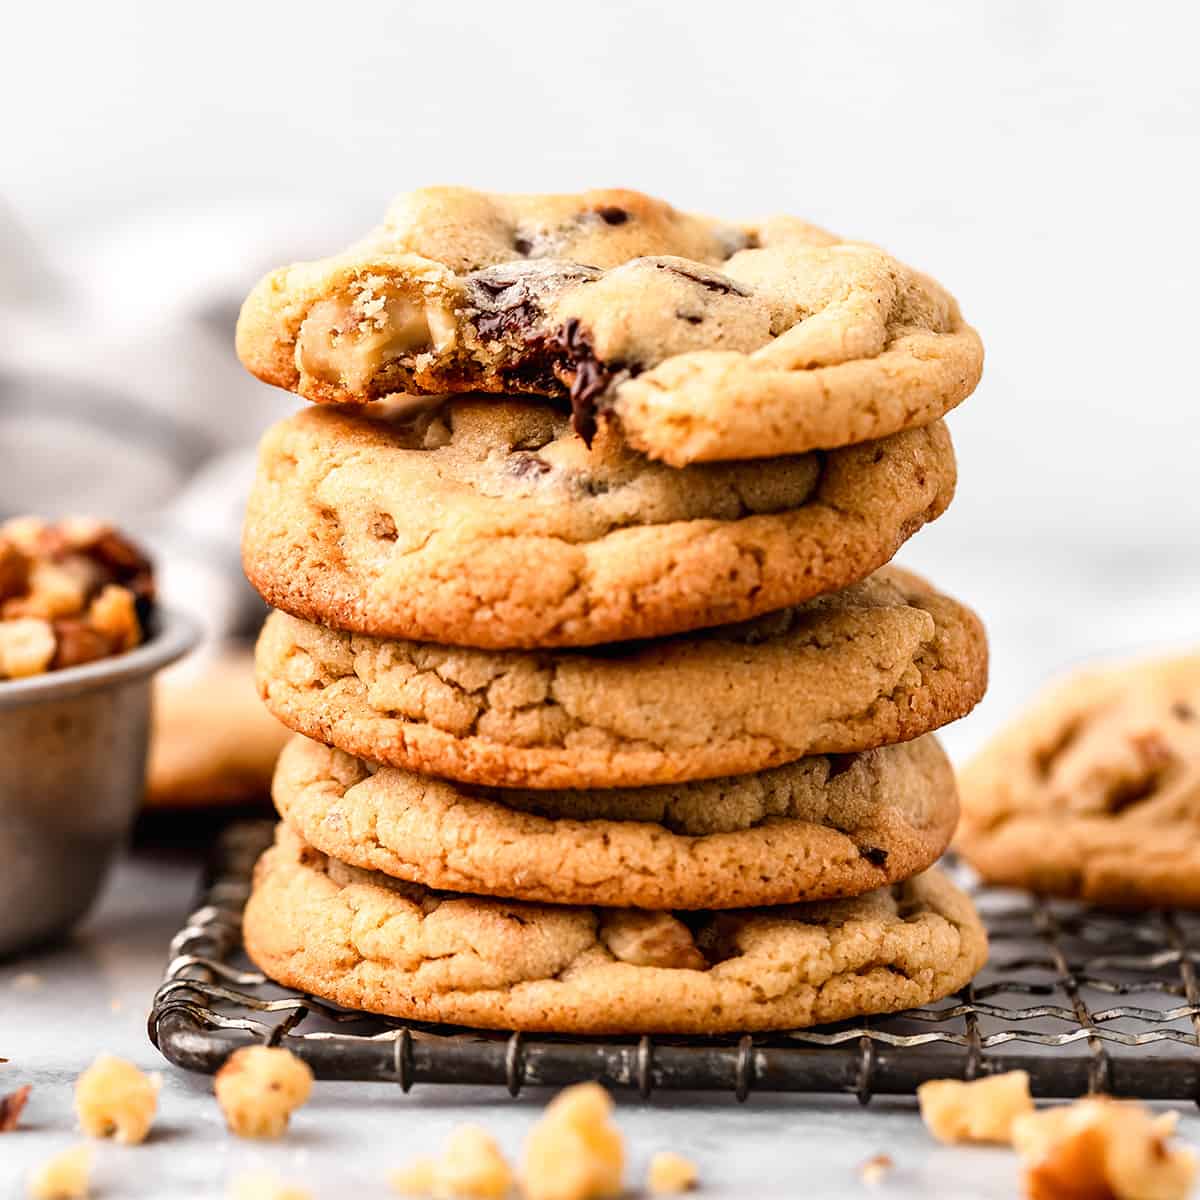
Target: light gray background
1039	158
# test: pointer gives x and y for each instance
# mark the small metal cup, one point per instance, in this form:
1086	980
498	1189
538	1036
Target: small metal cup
72	773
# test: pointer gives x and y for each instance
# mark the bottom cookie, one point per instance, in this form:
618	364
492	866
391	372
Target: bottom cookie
367	941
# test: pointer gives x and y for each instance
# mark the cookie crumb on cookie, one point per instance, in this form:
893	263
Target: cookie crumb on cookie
875	1169
259	1088
64	1177
11	1107
670	1173
980	1111
263	1185
114	1099
1102	1149
574	1152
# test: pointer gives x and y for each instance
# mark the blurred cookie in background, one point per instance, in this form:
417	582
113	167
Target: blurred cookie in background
1093	791
213	742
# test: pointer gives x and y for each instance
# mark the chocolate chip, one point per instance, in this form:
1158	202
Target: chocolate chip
526	465
589	377
839	764
711	281
690	318
522	245
509	297
874	855
611	215
589	485
1183	712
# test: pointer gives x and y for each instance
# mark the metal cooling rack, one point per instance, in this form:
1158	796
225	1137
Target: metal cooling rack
1083	1000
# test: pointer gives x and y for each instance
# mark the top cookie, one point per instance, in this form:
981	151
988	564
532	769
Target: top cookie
705	340
1094	791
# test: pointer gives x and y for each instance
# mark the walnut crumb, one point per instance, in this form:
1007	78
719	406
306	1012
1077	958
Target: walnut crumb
263	1185
980	1111
415	1178
1102	1149
11	1107
259	1088
114	1099
64	1177
875	1169
470	1167
574	1152
670	1173
650	939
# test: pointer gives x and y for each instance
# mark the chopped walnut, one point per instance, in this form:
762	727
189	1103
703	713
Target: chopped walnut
11	1107
1102	1149
114	1099
650	939
263	1185
980	1111
472	1167
574	1152
670	1173
415	1178
64	1177
27	647
68	594
259	1088
875	1169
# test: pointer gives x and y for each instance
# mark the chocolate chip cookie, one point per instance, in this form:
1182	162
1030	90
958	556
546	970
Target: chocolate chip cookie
703	340
815	829
881	661
1094	791
213	742
367	941
493	525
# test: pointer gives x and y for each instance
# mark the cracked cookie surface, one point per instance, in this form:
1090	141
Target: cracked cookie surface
819	828
703	340
367	941
882	661
493	525
1094	791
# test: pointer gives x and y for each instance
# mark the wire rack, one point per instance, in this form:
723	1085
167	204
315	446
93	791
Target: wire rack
1082	1000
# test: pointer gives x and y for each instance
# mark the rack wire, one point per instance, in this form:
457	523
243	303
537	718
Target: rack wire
1083	1000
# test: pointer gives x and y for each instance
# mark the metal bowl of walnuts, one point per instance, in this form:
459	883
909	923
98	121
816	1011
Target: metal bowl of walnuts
80	641
72	769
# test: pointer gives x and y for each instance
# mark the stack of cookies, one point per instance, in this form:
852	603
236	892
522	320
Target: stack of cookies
611	716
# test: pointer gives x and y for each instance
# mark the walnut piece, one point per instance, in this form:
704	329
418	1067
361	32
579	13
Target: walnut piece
650	939
980	1111
670	1173
574	1152
64	1177
471	1167
875	1169
263	1185
259	1088
347	341
1102	1149
68	594
114	1099
415	1178
27	646
11	1107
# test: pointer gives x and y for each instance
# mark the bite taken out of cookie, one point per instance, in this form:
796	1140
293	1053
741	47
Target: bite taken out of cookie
702	339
